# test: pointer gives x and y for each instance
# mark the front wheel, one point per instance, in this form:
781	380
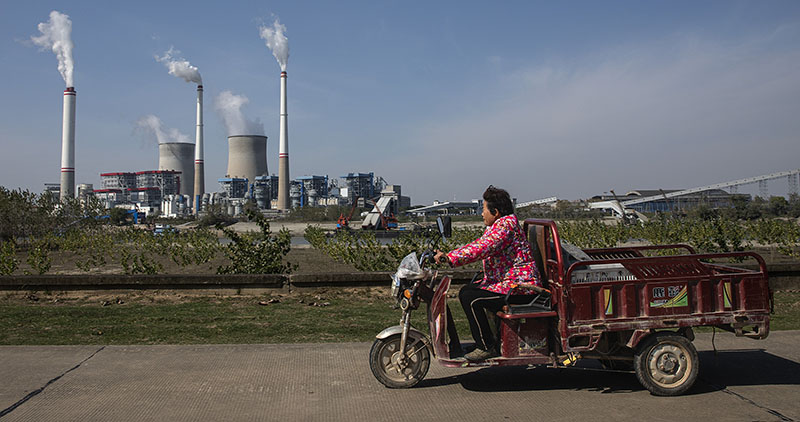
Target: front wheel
666	364
393	369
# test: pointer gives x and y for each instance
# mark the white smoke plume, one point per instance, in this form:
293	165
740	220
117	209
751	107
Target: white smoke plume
277	42
229	106
57	36
152	127
180	67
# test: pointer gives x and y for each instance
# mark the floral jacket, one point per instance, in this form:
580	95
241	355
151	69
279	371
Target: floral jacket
506	257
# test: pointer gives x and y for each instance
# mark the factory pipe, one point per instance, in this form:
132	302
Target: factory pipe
283	153
199	172
68	145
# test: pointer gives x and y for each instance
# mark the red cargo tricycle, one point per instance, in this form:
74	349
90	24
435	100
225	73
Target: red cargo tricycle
617	305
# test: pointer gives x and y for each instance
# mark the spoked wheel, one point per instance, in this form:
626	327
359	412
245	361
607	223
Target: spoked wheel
666	364
394	370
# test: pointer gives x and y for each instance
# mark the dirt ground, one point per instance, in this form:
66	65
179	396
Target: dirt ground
110	298
309	260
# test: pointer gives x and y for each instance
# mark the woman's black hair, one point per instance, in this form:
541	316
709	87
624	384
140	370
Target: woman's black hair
498	201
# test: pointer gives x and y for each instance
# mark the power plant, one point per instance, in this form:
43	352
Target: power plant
199	170
178	156
247	157
178	186
68	145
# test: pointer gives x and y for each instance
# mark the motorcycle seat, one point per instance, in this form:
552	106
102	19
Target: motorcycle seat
538	303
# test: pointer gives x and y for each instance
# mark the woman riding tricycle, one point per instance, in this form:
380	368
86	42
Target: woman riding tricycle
542	301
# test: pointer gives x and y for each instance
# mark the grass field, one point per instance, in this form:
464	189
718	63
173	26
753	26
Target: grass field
332	315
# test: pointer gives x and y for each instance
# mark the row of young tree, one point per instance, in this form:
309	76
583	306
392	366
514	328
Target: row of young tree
37	226
718	234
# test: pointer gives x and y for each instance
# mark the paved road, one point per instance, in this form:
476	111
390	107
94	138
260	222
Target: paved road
744	380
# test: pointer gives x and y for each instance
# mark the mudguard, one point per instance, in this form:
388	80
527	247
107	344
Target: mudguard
413	334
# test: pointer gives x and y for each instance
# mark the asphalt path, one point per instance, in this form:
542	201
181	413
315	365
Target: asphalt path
742	380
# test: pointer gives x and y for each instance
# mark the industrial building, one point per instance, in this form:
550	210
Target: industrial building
118	183
120	180
263	189
110	198
234	187
271	184
309	191
166	181
146	196
162	191
53	188
447	208
713	198
147	189
386	209
358	186
85	190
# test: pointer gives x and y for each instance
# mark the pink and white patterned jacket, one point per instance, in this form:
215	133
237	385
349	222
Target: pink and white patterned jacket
506	257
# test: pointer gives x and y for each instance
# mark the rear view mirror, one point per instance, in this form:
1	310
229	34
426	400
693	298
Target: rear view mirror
445	228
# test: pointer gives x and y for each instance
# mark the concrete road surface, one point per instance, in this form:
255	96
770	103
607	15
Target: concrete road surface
745	380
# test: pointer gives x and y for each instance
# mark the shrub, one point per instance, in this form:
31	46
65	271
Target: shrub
260	253
8	257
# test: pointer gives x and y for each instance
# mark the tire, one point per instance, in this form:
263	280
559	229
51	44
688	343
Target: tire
666	364
385	365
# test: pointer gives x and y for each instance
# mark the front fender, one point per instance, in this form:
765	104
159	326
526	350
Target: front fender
413	334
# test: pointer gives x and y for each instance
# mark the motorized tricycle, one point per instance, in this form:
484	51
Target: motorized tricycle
628	310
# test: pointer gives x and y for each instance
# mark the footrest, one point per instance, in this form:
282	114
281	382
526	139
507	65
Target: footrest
527	309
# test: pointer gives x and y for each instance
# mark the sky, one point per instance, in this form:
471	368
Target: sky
568	99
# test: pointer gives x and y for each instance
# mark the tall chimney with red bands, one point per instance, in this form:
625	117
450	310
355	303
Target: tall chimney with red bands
283	153
199	171
68	145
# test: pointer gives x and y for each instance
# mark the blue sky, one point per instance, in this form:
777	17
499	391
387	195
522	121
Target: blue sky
444	98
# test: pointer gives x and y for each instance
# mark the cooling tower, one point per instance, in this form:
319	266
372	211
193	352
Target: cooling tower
68	145
247	156
178	156
283	153
199	171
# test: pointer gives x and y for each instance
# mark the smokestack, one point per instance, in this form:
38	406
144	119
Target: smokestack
199	172
247	156
178	156
283	153
68	145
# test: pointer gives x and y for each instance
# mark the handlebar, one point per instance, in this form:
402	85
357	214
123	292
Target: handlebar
426	257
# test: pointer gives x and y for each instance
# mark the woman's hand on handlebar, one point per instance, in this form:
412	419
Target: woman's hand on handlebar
441	257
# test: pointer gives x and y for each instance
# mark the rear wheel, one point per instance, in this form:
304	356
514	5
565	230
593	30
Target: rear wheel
666	364
393	369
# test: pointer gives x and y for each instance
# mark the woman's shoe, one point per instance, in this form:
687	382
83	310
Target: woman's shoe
480	354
